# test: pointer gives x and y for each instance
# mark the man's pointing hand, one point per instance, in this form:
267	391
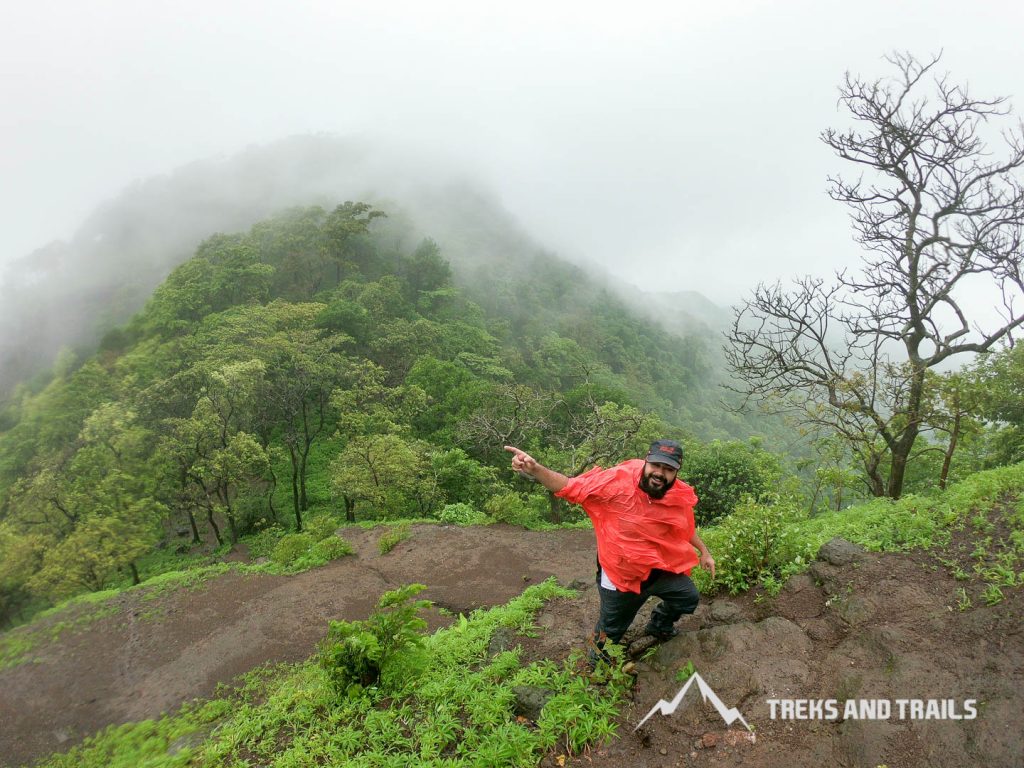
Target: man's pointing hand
522	462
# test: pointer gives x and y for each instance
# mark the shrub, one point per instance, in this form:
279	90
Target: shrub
511	508
724	473
355	654
321	527
462	514
262	544
291	547
752	542
392	536
330	548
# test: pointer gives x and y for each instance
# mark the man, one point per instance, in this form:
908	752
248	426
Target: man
647	541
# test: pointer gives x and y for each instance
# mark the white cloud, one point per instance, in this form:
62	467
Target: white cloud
671	142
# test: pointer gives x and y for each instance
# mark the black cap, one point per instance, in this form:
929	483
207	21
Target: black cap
666	452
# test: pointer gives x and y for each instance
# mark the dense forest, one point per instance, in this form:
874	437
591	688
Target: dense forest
311	365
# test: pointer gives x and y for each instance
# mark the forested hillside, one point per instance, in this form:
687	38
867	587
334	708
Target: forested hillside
314	364
69	293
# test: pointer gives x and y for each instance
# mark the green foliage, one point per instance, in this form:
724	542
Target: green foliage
998	388
455	711
262	543
291	547
387	473
356	654
752	542
330	548
462	514
685	672
773	541
460	478
304	359
510	507
393	535
724	473
93	554
321	527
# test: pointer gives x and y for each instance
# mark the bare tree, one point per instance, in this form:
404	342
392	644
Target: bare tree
937	216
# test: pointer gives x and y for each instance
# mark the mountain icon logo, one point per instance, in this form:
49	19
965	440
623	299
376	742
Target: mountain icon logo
728	714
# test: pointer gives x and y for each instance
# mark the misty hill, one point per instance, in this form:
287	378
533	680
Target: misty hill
68	294
323	362
679	311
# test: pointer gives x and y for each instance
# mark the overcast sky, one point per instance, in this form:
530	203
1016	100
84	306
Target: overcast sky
674	143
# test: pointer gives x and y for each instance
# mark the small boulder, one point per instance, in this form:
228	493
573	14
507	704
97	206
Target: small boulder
639	646
840	552
530	700
797	583
855	610
724	612
503	639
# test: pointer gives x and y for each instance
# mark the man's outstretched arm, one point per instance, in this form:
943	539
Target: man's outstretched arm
525	464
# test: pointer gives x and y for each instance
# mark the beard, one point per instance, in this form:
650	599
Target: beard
655	486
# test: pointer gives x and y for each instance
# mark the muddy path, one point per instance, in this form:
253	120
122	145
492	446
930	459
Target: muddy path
153	655
857	626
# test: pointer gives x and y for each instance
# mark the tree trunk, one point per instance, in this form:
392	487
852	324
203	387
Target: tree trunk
213	525
554	508
194	527
876	485
295	488
901	450
350	510
897	471
135	573
270	494
817	493
954	436
224	494
303	501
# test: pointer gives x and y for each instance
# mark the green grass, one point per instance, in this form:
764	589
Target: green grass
17	645
455	710
392	536
768	543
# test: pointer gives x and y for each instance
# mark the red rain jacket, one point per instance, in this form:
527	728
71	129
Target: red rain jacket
635	533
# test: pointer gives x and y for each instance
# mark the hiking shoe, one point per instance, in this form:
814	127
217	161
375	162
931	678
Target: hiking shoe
597	656
661	634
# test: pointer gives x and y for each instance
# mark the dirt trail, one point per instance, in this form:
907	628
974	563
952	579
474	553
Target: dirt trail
153	655
858	626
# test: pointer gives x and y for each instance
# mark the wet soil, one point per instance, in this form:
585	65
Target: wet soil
886	626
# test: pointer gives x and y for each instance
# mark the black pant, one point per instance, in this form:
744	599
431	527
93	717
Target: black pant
618	609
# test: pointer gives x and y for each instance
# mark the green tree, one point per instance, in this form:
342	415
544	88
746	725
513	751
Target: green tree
389	473
999	384
97	551
212	454
303	364
21	557
345	230
453	392
724	473
425	271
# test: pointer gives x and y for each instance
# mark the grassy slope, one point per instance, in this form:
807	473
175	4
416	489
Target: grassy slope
458	709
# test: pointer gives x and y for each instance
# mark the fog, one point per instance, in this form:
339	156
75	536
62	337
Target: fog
674	145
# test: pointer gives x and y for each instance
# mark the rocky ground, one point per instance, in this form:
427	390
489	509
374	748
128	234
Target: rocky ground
858	626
